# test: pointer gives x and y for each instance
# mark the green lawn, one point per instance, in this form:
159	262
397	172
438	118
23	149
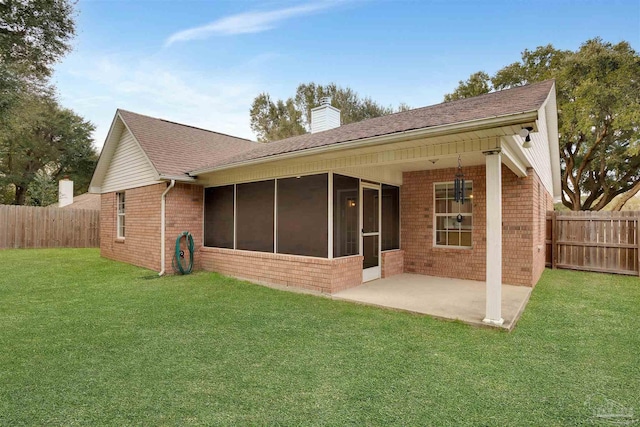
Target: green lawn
88	341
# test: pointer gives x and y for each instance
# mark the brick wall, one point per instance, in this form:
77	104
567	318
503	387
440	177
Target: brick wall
141	245
522	219
417	227
392	263
525	203
517	228
184	212
316	274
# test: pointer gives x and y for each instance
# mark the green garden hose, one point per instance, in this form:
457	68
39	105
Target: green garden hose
179	258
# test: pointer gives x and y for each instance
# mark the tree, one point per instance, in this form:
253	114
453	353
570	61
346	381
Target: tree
272	121
34	34
42	190
39	140
42	137
621	201
598	96
477	84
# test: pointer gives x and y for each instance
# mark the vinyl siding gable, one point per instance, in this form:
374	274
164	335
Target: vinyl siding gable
129	166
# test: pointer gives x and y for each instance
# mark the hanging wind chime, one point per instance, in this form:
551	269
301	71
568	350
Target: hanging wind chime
458	188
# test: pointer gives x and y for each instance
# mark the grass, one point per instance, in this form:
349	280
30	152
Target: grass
89	341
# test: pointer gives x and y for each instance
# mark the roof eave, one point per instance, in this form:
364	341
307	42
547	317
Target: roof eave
178	178
95	186
496	121
551	109
102	164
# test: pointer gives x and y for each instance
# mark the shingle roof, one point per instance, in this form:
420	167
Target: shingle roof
86	201
175	149
510	101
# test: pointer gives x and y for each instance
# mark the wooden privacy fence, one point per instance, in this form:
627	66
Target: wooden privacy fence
607	242
37	227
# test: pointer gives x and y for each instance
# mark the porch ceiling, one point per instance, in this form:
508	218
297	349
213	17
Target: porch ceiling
441	162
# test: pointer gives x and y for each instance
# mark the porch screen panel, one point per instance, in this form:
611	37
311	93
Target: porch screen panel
346	208
254	216
302	216
218	217
390	217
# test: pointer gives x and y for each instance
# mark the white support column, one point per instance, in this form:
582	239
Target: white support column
493	163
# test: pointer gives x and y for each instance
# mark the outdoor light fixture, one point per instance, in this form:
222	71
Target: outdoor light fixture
458	184
352	203
526	134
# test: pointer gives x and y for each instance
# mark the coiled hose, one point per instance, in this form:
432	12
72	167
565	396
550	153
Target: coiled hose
178	256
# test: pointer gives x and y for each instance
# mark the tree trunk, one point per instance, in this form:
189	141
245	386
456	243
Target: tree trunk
21	193
624	198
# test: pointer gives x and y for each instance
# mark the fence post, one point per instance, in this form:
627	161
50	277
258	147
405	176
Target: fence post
554	238
637	224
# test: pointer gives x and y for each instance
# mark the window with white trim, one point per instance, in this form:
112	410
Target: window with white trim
120	218
453	221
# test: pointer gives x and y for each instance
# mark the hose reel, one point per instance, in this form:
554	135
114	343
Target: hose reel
179	263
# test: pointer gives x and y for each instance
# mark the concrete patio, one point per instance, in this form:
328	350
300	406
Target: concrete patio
452	299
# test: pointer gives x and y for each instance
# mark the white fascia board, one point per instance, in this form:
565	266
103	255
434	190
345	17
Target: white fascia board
179	178
105	158
109	148
514	159
506	120
550	110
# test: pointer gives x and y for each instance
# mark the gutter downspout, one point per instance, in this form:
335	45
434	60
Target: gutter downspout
162	223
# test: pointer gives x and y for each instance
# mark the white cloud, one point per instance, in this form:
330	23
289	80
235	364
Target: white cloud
219	102
248	22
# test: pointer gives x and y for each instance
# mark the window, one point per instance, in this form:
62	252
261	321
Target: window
120	219
218	217
390	217
450	231
255	215
302	215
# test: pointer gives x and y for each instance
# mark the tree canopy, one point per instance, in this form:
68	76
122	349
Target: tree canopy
477	84
39	137
273	120
40	141
35	34
598	96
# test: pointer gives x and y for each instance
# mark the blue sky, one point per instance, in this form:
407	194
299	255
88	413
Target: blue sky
203	62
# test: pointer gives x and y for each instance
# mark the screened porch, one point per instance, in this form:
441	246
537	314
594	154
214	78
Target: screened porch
326	215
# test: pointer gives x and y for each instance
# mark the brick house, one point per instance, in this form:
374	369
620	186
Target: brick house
340	205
